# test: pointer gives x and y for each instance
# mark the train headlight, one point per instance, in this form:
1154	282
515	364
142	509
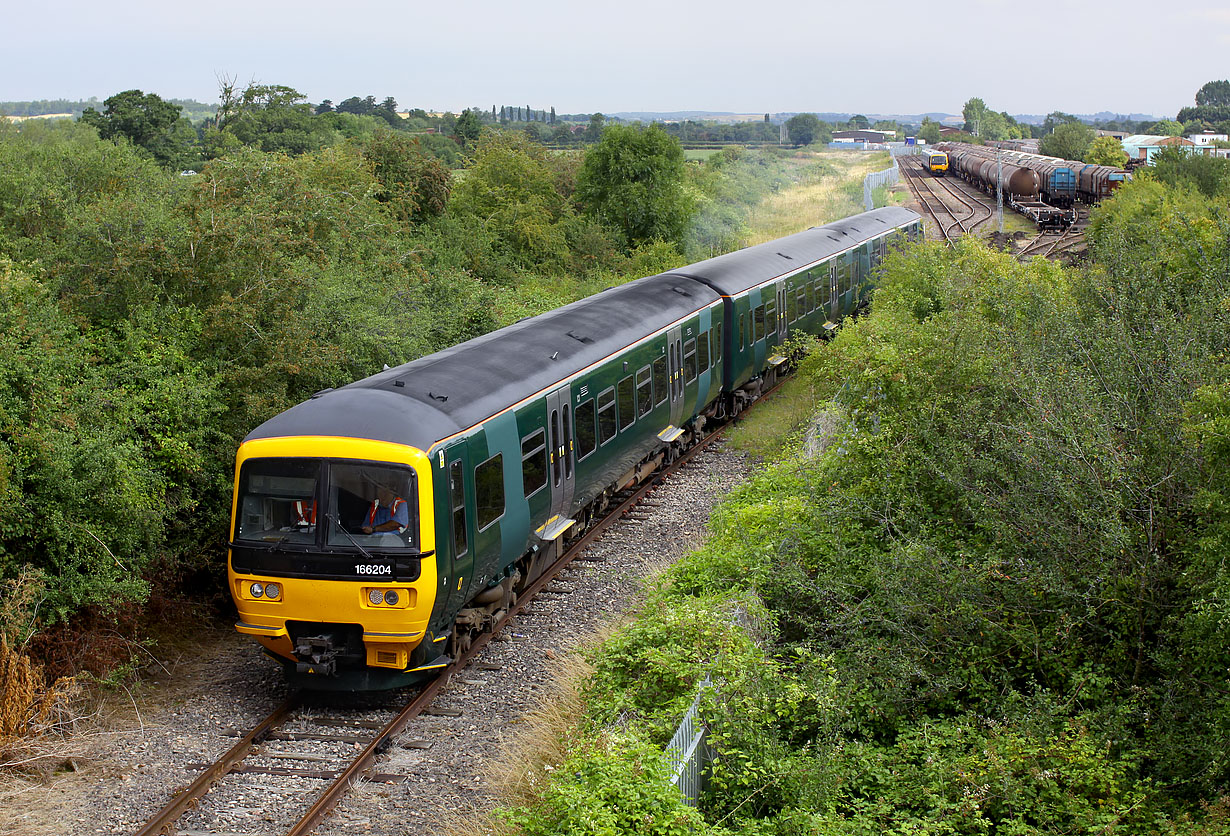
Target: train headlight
376	596
256	590
391	597
272	591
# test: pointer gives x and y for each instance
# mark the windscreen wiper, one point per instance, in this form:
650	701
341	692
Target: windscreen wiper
333	519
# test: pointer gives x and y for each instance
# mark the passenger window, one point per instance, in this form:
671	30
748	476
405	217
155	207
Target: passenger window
742	330
811	296
770	316
587	439
717	342
689	360
627	403
660	379
489	491
457	499
758	321
702	351
534	462
606	416
644	395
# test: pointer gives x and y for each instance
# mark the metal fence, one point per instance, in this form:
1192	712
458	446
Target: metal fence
688	752
875	180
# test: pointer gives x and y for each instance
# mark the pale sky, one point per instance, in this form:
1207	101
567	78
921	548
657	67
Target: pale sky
632	55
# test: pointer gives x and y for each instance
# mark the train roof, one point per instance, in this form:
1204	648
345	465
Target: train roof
429	399
744	269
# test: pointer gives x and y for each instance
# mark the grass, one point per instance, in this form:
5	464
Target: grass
830	188
774	426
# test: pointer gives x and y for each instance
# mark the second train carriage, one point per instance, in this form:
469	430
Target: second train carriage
501	448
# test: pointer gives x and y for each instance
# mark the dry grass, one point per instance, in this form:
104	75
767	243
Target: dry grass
543	739
36	720
831	188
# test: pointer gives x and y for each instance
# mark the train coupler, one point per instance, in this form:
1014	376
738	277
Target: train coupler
317	655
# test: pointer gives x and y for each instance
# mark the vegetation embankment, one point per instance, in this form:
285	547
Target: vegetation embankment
149	320
991	597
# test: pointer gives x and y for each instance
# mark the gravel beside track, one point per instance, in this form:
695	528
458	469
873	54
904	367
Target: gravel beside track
132	772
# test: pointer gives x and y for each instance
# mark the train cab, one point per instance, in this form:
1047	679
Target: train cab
937	163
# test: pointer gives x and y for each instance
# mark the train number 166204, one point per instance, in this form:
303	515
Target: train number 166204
372	569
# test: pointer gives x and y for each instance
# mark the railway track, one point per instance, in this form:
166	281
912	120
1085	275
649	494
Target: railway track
941	199
328	747
1058	244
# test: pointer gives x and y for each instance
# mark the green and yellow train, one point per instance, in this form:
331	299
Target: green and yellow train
377	528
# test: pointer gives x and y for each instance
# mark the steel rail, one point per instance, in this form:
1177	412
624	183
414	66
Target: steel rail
168	815
335	791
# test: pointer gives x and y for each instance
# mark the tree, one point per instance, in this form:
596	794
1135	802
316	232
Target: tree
802	128
511	192
633	180
1215	93
1210	175
271	117
1069	141
974	111
929	132
1166	127
354	105
859	122
593	133
1106	150
468	126
414	185
1056	118
148	122
324	107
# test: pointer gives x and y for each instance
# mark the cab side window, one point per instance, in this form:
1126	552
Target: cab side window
489	491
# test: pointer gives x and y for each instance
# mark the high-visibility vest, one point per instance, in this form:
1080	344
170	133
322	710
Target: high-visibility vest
371	513
305	512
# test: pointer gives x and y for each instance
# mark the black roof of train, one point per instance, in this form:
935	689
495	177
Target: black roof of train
431	398
742	270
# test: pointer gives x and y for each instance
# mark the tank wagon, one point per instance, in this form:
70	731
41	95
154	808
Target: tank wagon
377	528
1061	183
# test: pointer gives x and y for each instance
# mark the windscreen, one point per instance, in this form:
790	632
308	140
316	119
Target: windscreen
309	502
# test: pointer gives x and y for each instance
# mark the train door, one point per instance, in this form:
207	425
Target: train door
674	344
834	300
781	311
461	526
561	463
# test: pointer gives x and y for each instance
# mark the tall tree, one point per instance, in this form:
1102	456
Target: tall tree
1068	142
468	126
1056	118
1166	127
974	111
633	180
1106	150
150	123
1214	93
594	132
803	128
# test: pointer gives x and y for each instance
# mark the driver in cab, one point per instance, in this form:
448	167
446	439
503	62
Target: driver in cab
388	512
